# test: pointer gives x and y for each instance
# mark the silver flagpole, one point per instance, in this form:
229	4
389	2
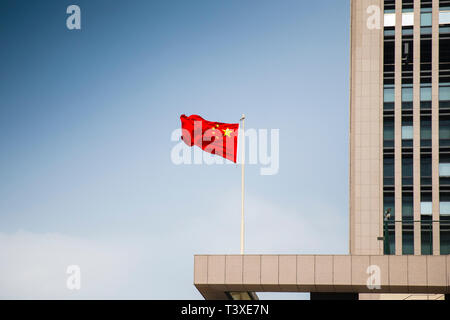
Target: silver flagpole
242	180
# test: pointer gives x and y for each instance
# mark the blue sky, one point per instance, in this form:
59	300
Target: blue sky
85	123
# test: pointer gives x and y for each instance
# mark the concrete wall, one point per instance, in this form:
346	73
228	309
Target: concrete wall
216	274
366	131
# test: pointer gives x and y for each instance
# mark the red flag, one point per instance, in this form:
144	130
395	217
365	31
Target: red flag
214	137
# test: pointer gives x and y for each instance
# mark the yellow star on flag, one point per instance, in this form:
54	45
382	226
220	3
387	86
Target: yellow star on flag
227	132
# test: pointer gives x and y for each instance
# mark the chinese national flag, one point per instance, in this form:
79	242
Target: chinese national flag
214	137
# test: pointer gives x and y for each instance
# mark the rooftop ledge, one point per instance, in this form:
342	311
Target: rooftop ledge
215	276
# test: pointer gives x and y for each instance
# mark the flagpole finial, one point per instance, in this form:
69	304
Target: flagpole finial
243	117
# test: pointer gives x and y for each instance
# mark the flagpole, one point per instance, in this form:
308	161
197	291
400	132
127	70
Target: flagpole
242	180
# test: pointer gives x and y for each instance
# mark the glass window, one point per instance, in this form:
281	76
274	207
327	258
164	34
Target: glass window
444	17
426	30
425	60
427	240
425	96
444	93
389	167
407	97
407	225
427	235
425	166
444	169
425	171
389	5
444	30
407	171
389	19
389	33
444	175
408	239
388	171
389	95
425	93
389	203
407	206
444	208
407	31
407	94
426	208
407	132
389	226
426	19
391	239
444	131
445	235
388	132
425	131
408	6
407	19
